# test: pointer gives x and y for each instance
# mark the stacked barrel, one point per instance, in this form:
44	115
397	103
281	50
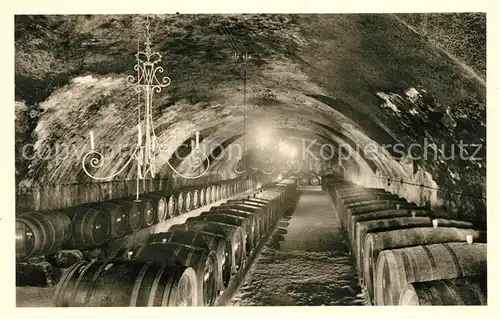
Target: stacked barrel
92	225
404	254
309	179
189	265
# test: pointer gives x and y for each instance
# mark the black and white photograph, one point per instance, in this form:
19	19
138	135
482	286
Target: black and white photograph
177	159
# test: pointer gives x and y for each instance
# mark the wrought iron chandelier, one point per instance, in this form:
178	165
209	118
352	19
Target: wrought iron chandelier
146	83
242	161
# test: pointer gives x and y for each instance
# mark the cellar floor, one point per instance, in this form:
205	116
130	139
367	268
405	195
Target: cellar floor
305	262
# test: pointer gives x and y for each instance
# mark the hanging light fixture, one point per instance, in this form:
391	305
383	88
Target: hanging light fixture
145	153
242	161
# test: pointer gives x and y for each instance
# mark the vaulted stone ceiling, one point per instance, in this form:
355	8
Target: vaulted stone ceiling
352	80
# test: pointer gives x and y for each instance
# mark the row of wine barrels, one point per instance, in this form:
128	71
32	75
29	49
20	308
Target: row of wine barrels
247	219
118	217
244	219
309	179
347	198
314	181
350	222
238	221
256	208
350	190
255	215
127	283
377	242
363	200
370	206
289	190
397	267
136	212
91	227
205	240
354	217
38	234
399	246
463	291
387	224
270	201
94	224
234	233
202	254
203	261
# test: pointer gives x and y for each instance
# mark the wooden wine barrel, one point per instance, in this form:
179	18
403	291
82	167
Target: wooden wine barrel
159	212
464	291
231	191
371	207
247	208
223	191
253	207
172	206
203	261
39	234
180	205
429	262
148	210
349	192
217	192
266	211
342	189
311	174
208	195
342	202
353	202
191	197
91	227
274	194
118	217
233	233
213	193
243	223
126	283
379	241
382	214
275	198
314	181
246	224
255	217
202	196
284	195
271	204
304	180
134	212
188	201
341	184
218	243
352	220
379	225
196	198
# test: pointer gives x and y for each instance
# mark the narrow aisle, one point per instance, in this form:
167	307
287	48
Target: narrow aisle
306	261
